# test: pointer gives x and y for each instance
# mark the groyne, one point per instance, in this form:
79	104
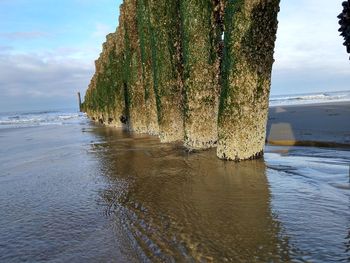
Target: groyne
195	71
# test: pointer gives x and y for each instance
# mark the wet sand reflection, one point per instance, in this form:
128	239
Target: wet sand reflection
177	206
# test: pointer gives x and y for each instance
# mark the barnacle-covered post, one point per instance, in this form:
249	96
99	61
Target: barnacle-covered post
119	103
109	82
100	95
344	22
145	43
166	67
105	97
250	34
133	85
200	41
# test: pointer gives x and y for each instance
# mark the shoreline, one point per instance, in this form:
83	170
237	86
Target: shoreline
62	185
310	104
318	144
325	125
317	125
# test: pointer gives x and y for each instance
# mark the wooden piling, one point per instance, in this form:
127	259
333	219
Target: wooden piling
250	34
79	99
200	43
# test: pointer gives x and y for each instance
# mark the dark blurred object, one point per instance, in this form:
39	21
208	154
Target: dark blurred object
344	22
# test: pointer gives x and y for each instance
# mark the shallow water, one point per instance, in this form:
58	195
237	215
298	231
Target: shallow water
78	192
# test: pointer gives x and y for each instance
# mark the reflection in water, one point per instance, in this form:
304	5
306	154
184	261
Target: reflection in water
310	194
177	206
71	195
347	238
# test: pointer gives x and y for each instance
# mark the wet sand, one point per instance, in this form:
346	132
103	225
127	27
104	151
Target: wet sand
81	192
324	125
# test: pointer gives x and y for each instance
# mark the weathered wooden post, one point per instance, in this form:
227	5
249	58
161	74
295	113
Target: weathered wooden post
146	43
136	102
166	67
201	62
79	100
119	106
250	34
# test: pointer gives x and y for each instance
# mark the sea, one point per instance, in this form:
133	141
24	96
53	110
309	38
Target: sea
20	119
73	191
309	98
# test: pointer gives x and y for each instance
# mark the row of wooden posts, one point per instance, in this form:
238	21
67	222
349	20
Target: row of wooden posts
191	71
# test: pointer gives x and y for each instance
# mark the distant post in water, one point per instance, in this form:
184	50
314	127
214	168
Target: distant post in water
79	99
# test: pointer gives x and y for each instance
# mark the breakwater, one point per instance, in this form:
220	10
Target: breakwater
192	71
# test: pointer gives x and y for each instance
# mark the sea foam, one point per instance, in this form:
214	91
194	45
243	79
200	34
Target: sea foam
39	118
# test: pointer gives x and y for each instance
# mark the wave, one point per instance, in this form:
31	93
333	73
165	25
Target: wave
310	98
52	117
39	118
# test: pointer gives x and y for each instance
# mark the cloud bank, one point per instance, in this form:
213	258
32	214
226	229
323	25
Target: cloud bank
309	53
41	79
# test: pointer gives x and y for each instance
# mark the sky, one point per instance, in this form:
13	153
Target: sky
48	49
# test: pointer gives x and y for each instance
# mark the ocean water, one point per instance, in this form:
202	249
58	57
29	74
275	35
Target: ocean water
21	119
66	117
310	98
71	191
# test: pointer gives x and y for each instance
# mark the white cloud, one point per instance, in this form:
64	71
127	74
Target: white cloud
308	36
34	76
5	49
309	53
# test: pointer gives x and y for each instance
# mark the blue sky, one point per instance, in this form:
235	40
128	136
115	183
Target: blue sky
48	48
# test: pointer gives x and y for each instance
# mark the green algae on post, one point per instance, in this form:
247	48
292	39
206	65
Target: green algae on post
133	70
188	70
201	72
145	42
250	34
164	23
104	93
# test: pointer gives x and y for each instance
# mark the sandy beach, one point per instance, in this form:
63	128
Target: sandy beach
323	125
71	191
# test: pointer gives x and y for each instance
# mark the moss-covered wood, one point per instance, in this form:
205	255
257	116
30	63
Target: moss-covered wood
250	33
166	63
146	45
200	37
196	71
133	70
103	98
